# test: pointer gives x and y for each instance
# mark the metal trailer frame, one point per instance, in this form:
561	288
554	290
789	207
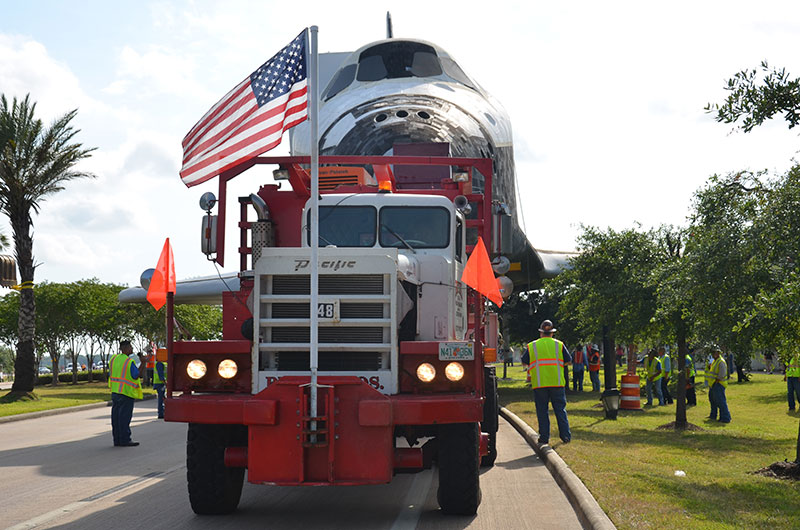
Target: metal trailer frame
356	425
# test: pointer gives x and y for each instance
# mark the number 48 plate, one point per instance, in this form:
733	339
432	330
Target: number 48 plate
327	310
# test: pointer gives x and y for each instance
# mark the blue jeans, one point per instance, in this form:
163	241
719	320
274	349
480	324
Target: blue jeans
595	378
159	388
665	390
577	379
121	414
792	390
718	401
650	387
558	397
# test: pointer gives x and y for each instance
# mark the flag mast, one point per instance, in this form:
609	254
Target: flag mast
313	114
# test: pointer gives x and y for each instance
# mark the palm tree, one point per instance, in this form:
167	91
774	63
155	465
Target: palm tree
35	161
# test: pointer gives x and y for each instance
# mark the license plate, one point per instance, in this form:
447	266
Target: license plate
326	310
456	351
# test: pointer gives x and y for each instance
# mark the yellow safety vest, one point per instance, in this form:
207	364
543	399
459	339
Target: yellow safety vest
156	379
793	368
664	371
650	367
690	365
547	362
715	372
121	381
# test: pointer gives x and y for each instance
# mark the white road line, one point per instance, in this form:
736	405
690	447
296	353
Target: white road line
78	505
409	515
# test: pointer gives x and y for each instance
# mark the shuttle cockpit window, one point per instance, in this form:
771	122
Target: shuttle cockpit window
414	227
345	226
342	80
454	71
392	60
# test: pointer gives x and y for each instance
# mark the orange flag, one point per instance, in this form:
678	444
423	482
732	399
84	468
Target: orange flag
163	280
479	275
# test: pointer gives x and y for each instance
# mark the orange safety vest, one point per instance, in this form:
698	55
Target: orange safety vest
594	361
577	359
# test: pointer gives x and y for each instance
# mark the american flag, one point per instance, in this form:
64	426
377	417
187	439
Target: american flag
251	118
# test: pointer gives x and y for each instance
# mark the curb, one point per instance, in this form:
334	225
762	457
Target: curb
62	410
590	514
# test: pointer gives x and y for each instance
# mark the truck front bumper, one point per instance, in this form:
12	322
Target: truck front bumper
352	438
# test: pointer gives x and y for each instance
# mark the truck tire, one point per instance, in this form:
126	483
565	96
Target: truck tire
491	414
459	476
214	488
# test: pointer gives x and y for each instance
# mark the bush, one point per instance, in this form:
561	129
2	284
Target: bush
47	379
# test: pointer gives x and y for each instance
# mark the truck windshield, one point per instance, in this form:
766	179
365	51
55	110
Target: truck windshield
419	227
345	226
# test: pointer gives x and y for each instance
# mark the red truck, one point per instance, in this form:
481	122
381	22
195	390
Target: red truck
403	379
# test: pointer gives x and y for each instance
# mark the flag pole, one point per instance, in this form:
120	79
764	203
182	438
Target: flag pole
313	114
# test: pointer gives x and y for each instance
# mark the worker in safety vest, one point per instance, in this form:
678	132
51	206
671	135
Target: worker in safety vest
150	366
547	359
594	367
691	395
579	365
793	379
666	372
159	383
125	388
716	396
653	385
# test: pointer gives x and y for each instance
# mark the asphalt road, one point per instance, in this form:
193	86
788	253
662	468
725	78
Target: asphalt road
63	472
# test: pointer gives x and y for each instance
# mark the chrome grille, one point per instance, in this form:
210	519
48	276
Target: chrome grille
332	335
329	284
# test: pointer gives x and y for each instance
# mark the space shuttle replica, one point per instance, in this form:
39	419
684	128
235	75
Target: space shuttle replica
409	97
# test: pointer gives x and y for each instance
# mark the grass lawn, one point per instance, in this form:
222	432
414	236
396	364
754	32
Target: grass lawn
629	466
63	395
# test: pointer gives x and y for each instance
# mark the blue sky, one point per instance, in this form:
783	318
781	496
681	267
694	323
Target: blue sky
606	103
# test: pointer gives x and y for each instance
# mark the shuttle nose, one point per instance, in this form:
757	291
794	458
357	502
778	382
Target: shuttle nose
375	126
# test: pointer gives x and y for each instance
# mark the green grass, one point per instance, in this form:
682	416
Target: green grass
629	466
63	395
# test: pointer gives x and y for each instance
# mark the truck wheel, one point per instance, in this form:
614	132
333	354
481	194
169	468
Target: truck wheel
491	414
459	478
214	488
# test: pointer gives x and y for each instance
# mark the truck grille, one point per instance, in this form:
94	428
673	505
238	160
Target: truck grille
351	310
329	284
292	361
333	335
359	337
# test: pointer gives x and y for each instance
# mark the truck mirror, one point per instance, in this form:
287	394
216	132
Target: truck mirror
208	237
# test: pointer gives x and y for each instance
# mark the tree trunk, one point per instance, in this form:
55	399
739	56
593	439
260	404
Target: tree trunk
25	364
680	409
797	456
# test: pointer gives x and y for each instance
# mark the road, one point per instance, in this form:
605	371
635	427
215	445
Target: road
62	472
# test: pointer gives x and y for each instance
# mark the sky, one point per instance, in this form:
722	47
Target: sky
606	101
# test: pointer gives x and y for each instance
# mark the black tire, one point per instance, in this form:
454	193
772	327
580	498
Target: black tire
459	477
491	414
214	488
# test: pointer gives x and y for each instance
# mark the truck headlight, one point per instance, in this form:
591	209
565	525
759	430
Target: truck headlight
196	369
426	372
227	369
454	371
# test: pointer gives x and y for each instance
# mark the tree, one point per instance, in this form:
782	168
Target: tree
672	316
756	95
56	317
608	284
725	261
755	101
35	162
